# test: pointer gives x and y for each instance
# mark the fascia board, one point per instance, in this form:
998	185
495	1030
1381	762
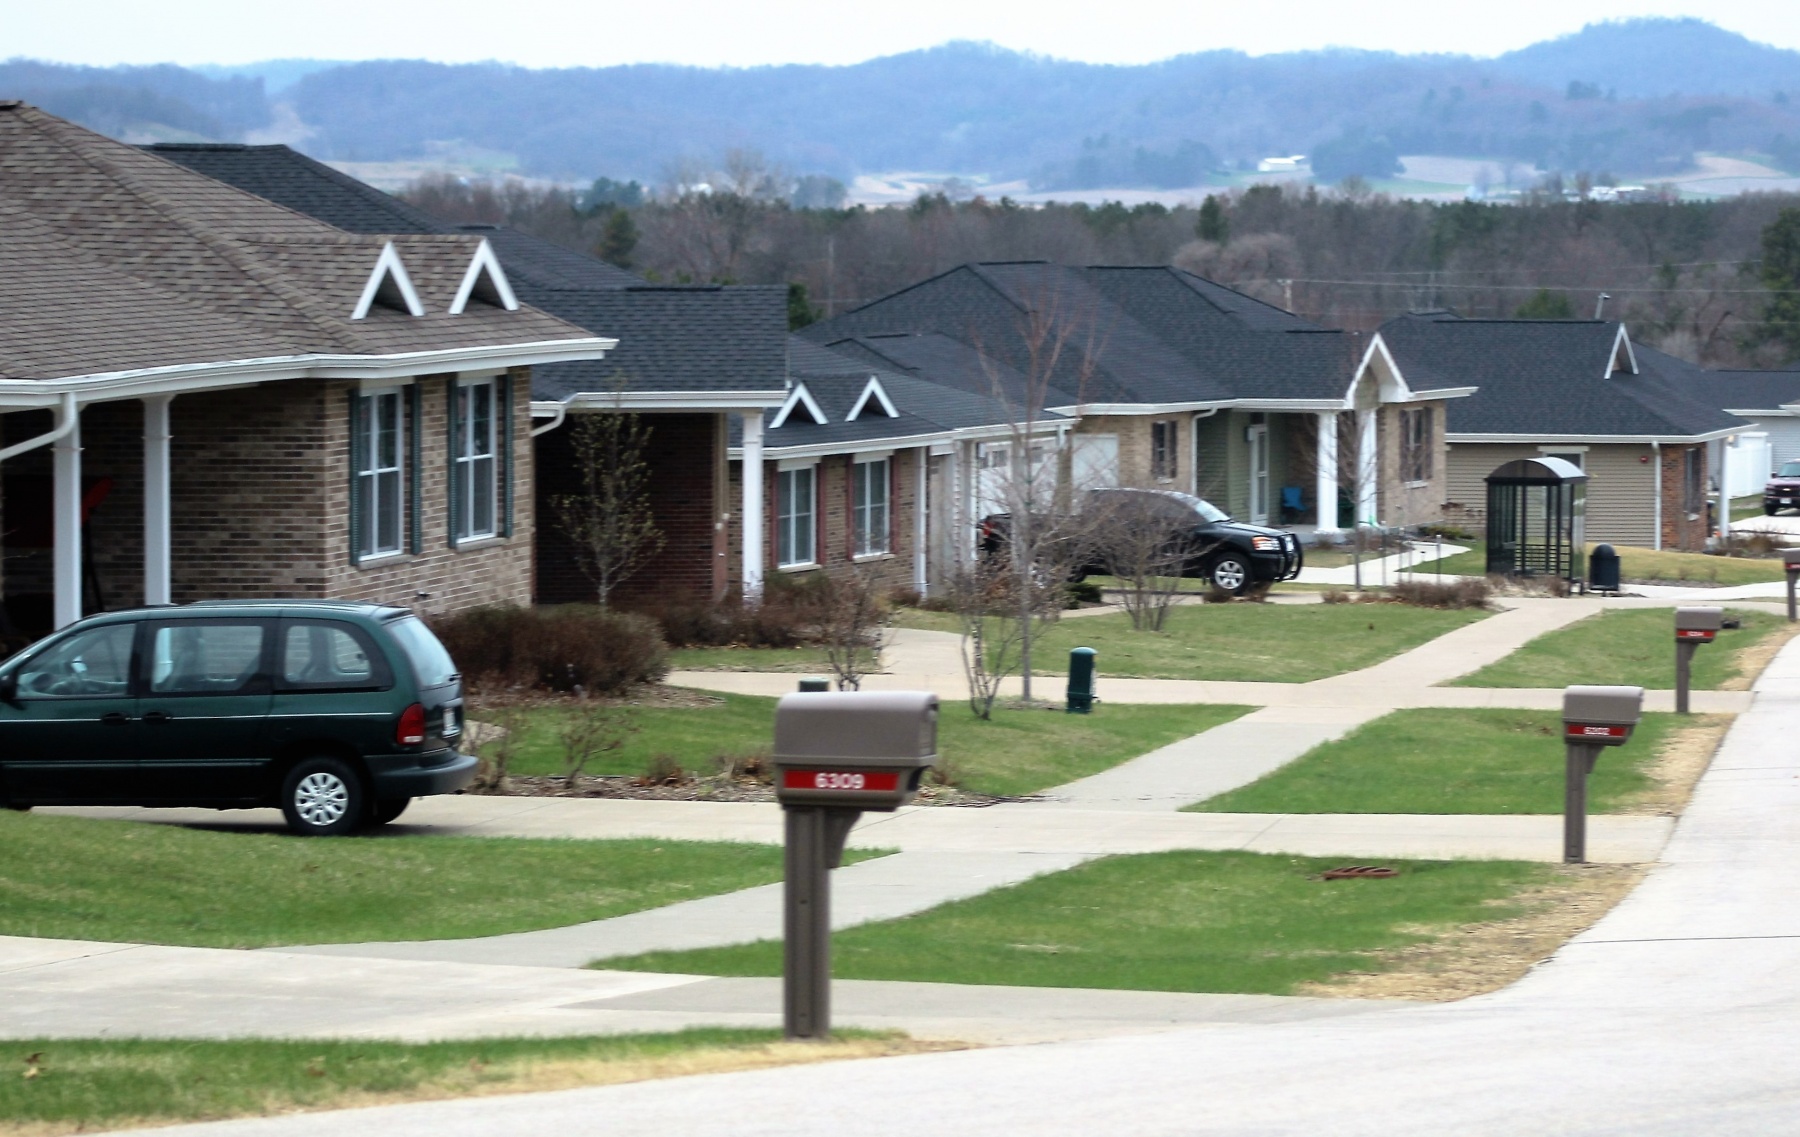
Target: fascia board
1076	410
183	378
672	401
1601	439
1440	393
863	445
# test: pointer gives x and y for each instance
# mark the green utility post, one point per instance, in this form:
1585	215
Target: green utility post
1081	680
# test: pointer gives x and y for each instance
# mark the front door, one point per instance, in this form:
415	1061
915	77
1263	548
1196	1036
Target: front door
204	710
1259	474
69	735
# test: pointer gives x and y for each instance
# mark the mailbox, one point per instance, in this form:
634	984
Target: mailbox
864	750
1790	558
1698	625
1601	716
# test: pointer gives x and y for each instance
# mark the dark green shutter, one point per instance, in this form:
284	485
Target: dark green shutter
415	418
355	509
450	459
503	392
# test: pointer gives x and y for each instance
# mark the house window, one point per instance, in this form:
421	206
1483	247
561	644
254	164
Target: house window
1574	458
1162	449
869	507
475	487
1417	451
795	517
375	447
1693	481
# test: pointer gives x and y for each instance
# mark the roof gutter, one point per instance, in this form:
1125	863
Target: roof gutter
962	434
184	378
67	415
1625	439
663	401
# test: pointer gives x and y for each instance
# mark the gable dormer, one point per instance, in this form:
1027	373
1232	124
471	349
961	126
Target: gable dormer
485	281
799	401
389	286
874	399
1623	358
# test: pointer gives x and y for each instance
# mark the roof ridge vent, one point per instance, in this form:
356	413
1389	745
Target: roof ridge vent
390	286
484	280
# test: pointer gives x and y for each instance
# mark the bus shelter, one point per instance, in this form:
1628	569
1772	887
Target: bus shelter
1534	519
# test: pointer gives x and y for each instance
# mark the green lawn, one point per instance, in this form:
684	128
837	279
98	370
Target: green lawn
1633	646
79	1085
1648	565
1442	760
1746	507
1277	643
1181	921
75	878
1019	752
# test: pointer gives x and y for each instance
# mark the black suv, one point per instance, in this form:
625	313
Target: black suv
1231	555
339	713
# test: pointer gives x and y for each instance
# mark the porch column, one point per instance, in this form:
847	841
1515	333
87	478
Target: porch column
157	588
1368	468
1325	485
753	506
65	512
921	577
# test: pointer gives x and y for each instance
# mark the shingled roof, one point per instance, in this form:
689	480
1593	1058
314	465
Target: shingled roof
684	342
1748	392
1126	336
1563	379
113	260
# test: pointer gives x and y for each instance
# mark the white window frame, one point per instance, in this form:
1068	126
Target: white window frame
365	438
869	540
466	461
1418	445
1165	452
788	527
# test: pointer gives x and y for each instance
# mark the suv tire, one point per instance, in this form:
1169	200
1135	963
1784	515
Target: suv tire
324	797
386	809
1230	573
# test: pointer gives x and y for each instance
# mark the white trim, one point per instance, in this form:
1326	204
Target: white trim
67	414
377	386
752	509
388	267
872	456
1612	358
1571	448
180	379
484	261
946	438
799	396
786	464
1598	439
558	413
1764	412
668	401
157	437
1440	393
465	457
372	473
874	388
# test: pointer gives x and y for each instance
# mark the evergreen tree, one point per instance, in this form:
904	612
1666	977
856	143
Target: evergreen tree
1781	273
1213	225
1546	305
618	239
800	309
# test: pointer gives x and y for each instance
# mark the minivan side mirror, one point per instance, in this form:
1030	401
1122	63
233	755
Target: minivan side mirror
9	688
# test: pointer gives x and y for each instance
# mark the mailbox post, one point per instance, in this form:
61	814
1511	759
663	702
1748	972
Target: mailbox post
1790	559
836	755
1593	717
1693	627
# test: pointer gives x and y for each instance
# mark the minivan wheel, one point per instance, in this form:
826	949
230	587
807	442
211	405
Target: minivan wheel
324	797
1229	574
386	809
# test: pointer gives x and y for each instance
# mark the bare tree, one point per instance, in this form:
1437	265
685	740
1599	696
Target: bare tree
979	591
609	521
1147	548
854	623
590	729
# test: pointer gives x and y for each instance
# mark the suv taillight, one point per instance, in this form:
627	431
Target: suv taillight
410	730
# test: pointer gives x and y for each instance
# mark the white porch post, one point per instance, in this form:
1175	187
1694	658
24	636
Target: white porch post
157	589
921	578
1325	485
1368	468
753	506
65	511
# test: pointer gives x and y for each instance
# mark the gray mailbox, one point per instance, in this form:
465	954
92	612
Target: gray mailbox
1790	560
1693	627
1593	717
861	750
836	755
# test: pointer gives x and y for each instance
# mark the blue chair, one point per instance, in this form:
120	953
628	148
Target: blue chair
1292	508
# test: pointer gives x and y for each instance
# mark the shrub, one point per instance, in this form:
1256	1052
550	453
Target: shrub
788	617
562	648
1471	592
1447	532
1335	596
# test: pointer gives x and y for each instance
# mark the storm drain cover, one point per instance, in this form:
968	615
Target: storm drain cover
1358	872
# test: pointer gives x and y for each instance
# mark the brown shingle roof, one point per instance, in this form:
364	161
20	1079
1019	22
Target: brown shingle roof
112	259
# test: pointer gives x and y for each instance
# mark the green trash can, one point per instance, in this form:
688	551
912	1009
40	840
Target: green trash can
1081	680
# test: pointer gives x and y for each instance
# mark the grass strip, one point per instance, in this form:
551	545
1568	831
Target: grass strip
1017	752
1239	642
803	660
1179	921
1449	761
56	1086
1655	566
76	878
1633	646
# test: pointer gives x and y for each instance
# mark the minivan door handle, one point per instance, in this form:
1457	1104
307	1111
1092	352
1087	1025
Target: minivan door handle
157	716
115	718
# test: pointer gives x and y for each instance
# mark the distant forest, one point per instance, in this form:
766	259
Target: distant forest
1637	99
1687	276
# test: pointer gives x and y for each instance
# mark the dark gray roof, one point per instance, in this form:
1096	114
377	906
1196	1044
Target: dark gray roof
1548	377
1135	335
1748	390
673	339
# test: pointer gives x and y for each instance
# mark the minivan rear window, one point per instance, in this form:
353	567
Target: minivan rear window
430	661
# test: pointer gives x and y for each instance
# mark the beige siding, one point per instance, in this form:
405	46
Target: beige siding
1621	491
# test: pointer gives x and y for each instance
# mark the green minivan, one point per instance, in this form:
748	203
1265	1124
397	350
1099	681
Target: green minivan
340	713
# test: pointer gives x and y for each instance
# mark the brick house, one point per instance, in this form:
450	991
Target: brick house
1635	420
697	360
203	394
1178	382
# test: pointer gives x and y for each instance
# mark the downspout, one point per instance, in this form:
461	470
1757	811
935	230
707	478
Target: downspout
66	419
556	420
1194	448
1656	487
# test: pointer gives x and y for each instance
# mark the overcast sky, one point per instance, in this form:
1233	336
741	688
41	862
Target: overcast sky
564	33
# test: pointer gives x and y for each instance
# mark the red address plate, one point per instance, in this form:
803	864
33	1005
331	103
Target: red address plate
1592	730
1694	634
866	781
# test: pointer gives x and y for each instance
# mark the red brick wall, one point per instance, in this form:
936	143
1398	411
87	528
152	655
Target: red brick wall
684	452
834	511
1678	530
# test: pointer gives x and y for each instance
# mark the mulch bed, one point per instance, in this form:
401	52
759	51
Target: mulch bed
707	789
